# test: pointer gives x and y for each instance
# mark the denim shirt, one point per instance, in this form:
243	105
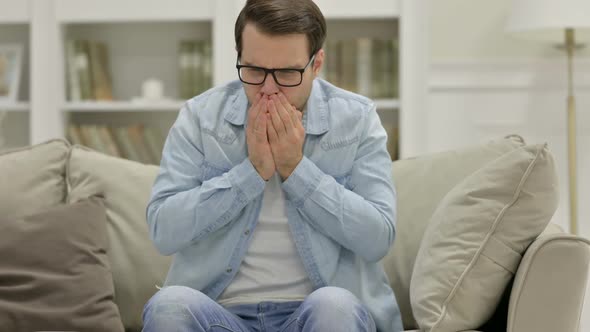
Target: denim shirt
340	199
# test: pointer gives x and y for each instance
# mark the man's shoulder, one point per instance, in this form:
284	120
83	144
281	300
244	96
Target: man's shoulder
338	96
217	95
214	102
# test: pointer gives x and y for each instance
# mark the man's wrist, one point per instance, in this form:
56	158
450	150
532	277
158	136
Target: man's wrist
285	172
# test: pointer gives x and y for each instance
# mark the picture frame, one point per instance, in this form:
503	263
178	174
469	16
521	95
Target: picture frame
10	71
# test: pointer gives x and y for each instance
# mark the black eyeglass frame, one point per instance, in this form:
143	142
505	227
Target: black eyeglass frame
272	72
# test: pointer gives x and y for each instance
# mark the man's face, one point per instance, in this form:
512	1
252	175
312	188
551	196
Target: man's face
284	51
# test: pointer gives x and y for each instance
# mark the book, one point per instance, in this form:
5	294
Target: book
155	143
333	61
82	65
99	71
109	141
185	80
73	84
392	141
74	135
125	144
363	66
207	65
196	67
91	137
348	65
135	133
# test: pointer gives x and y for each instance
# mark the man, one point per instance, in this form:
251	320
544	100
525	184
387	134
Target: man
275	194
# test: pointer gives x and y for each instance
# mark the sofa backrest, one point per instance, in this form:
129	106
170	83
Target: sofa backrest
44	184
125	185
421	183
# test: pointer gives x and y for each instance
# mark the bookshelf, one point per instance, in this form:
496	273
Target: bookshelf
143	37
362	56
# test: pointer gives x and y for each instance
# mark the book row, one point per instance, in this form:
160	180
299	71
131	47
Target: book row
134	142
366	66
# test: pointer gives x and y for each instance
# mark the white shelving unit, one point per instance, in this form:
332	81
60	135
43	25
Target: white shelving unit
143	36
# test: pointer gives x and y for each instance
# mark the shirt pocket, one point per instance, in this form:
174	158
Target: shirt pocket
221	150
336	157
336	143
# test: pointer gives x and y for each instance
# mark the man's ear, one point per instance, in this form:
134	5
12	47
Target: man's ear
318	62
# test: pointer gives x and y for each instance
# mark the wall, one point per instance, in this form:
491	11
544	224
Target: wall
474	29
485	83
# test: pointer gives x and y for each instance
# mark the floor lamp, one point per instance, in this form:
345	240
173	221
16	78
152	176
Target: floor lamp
559	22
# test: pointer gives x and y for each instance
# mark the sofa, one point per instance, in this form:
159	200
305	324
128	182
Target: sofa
475	248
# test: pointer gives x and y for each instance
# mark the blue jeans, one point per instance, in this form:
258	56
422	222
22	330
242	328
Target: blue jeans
183	309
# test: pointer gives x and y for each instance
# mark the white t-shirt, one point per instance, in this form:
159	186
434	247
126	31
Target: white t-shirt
272	269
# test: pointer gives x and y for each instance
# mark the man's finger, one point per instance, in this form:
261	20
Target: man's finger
275	117
261	121
295	115
284	111
273	137
254	109
260	130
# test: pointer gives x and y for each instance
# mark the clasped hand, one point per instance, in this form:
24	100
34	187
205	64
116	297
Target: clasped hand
274	136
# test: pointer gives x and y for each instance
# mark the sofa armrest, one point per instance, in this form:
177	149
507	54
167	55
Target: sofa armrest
550	283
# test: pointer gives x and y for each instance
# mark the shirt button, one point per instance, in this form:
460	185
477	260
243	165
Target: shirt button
229	269
247	232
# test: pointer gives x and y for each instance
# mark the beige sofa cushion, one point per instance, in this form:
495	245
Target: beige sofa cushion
474	241
33	178
125	186
54	271
421	183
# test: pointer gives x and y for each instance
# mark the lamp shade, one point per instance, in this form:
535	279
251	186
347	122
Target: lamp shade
546	19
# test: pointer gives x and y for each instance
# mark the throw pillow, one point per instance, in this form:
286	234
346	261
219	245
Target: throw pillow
125	185
54	271
33	178
475	239
421	184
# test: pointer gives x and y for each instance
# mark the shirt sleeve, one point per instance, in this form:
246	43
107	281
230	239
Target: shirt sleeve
184	207
361	219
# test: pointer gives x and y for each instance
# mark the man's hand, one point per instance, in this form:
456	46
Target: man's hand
285	134
257	140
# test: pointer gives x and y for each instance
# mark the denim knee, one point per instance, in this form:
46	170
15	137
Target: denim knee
173	305
335	309
179	294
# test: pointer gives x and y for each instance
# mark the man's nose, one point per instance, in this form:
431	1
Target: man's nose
269	87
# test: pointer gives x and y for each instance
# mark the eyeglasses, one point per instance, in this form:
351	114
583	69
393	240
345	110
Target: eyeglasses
287	77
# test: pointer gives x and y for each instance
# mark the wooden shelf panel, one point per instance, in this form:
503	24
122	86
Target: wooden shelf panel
387	104
123	106
14	107
92	11
367	9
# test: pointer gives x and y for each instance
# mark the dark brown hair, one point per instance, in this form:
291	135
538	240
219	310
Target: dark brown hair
282	17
